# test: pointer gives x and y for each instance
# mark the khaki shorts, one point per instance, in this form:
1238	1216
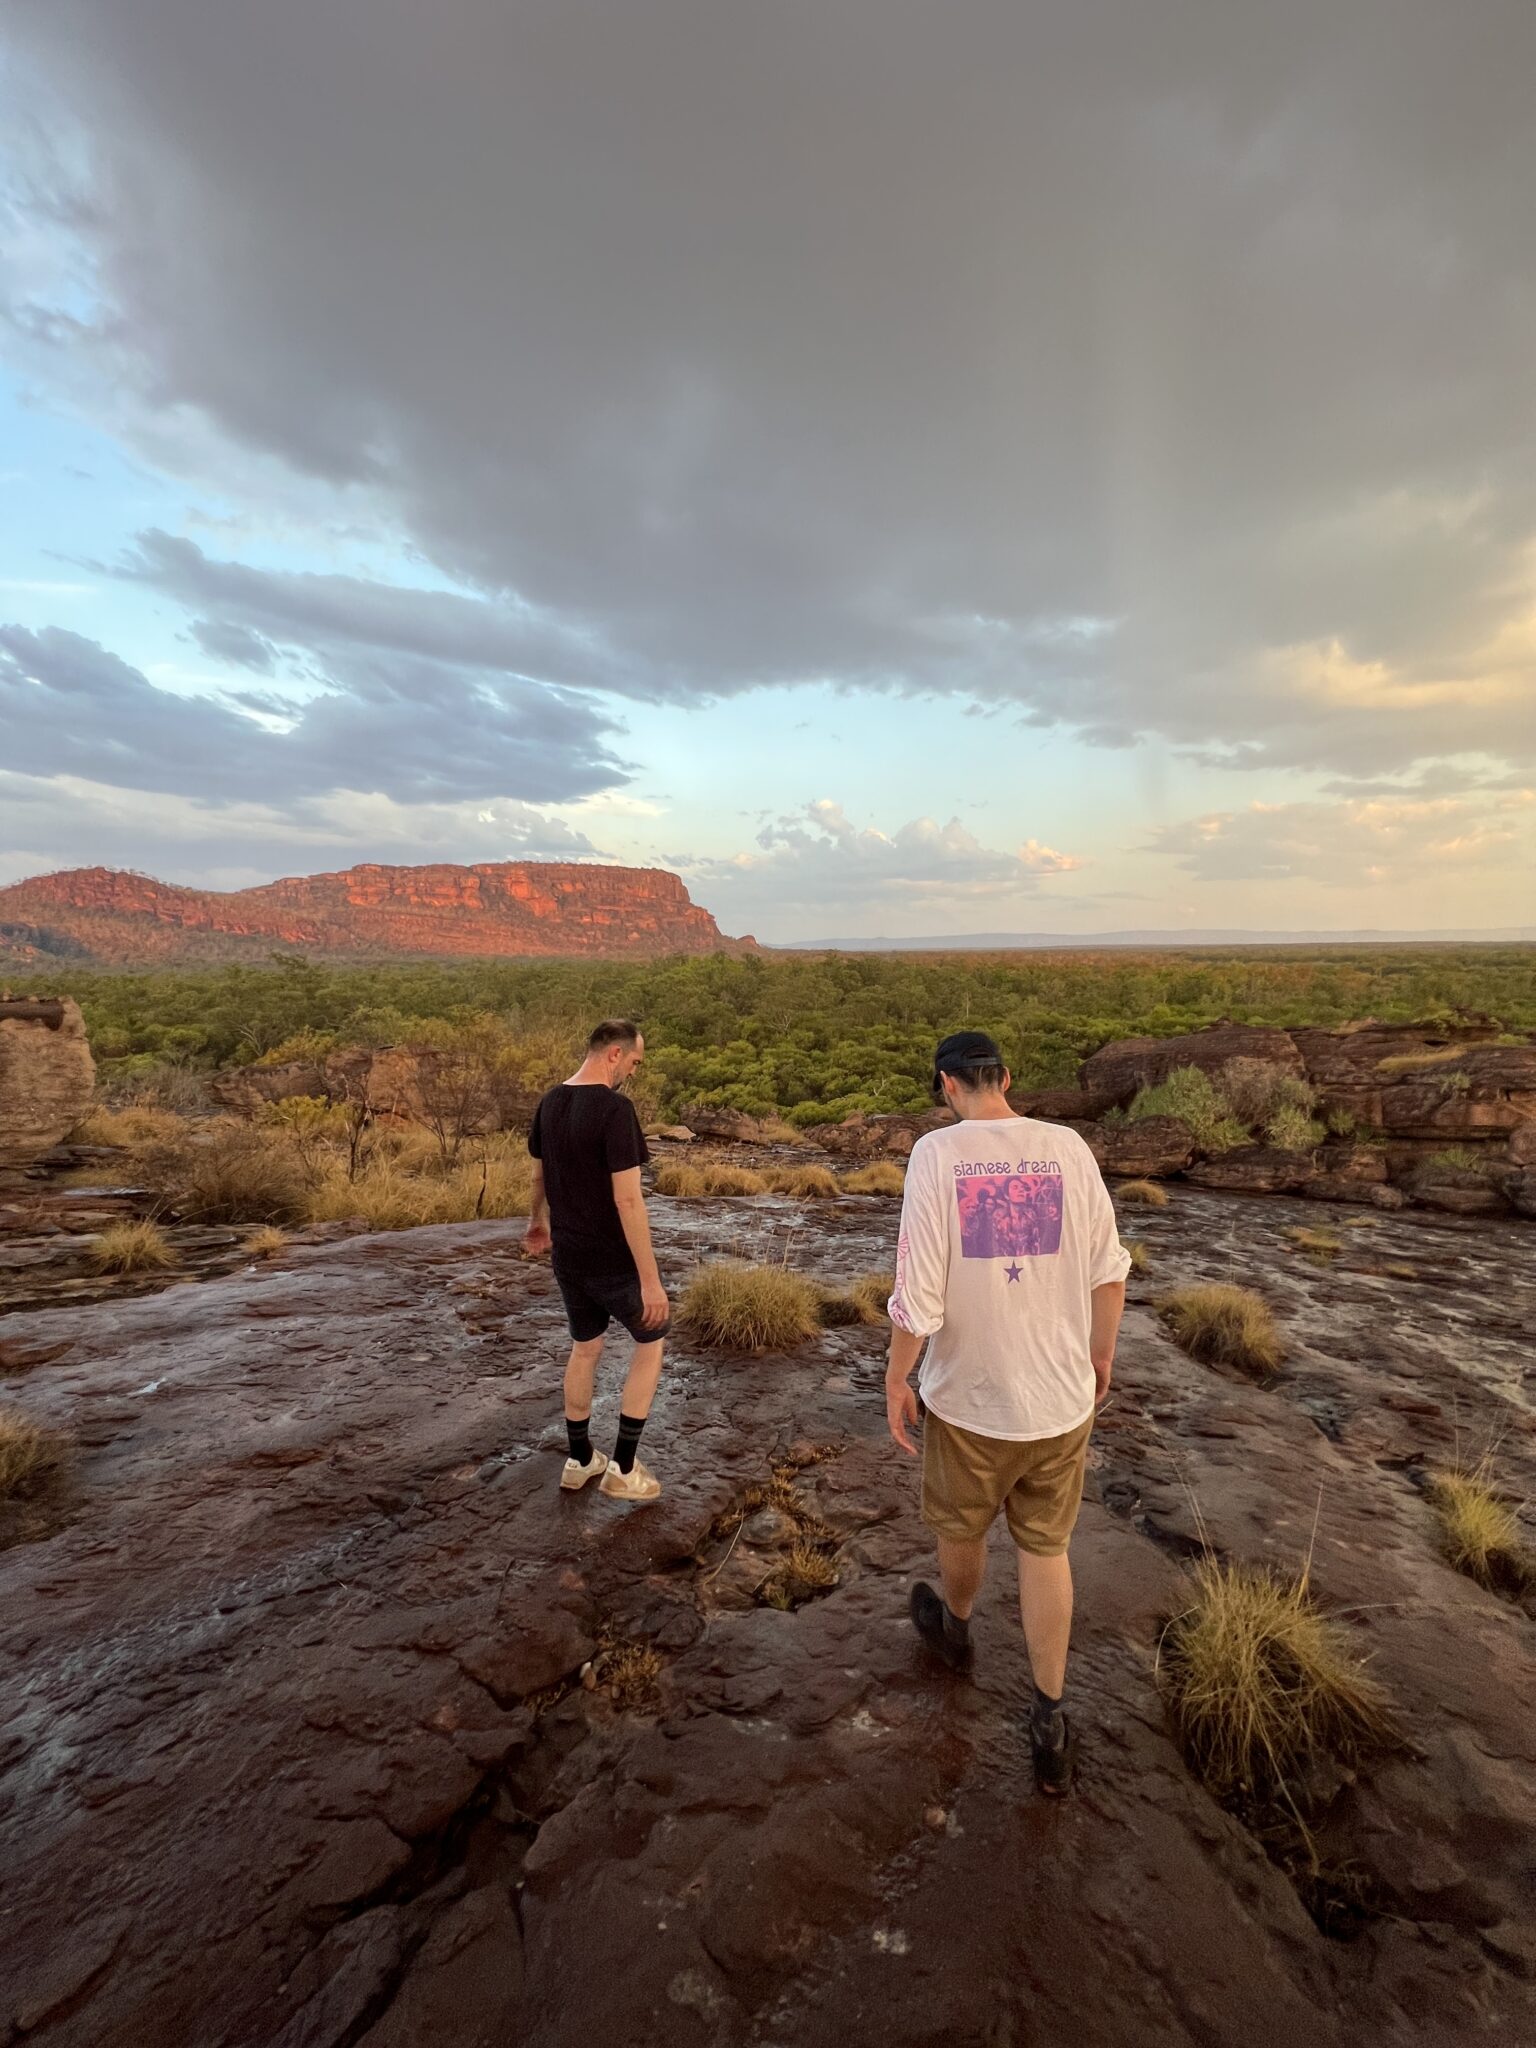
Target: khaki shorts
967	1478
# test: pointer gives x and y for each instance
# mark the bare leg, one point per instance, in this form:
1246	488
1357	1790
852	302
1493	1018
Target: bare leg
962	1567
640	1384
580	1373
1045	1607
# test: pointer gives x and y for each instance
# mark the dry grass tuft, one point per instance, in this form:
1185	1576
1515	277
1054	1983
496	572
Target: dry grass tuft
685	1182
1146	1192
707	1177
807	1569
863	1300
1479	1530
1321	1246
231	1173
1141	1258
808	1181
880	1177
130	1129
131	1248
731	1306
1415	1062
1257	1681
630	1674
387	1196
267	1242
29	1455
1224	1325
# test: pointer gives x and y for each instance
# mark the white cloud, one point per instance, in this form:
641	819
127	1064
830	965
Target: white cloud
818	864
1372	842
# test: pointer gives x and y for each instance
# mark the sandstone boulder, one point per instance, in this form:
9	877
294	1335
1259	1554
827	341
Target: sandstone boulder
731	1126
1068	1105
1351	1173
877	1137
1145	1149
1255	1170
1117	1071
1519	1189
245	1090
47	1075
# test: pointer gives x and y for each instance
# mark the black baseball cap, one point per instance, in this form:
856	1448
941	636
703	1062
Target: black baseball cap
962	1052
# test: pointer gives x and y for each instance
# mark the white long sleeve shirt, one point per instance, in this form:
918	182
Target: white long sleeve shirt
1006	1229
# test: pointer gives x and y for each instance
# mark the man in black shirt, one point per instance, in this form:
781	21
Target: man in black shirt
588	1150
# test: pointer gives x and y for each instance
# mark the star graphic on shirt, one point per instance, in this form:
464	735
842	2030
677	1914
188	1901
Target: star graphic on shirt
1013	1272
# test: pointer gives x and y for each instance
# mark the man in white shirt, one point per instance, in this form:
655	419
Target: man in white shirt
1010	1266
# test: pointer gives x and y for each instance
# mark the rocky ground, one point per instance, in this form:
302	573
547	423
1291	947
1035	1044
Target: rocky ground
295	1750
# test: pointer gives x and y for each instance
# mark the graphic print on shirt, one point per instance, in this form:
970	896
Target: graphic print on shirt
1009	1213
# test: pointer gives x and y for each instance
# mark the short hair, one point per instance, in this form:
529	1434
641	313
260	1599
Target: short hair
613	1031
974	1080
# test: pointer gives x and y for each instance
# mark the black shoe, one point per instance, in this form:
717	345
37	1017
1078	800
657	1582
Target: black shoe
1053	1761
936	1625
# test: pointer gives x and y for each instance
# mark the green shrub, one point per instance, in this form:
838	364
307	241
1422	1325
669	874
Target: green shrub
1192	1097
1290	1129
1256	1090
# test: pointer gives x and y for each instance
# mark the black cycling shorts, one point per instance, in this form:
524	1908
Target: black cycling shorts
594	1300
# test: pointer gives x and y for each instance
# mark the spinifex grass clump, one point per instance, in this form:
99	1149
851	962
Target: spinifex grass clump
1321	1246
707	1177
28	1455
809	1181
1479	1530
267	1242
863	1300
1257	1680
630	1674
230	1173
880	1177
732	1306
806	1570
1141	1258
131	1128
131	1248
1222	1325
1146	1193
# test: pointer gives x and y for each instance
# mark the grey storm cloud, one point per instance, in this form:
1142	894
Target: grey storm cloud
1155	369
412	730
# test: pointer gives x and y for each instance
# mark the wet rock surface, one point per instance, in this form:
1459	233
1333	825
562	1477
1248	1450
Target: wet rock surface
295	1747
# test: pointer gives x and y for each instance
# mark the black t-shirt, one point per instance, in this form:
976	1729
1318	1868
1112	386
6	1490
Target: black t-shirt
584	1136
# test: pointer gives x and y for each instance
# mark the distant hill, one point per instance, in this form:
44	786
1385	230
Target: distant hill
1008	942
495	909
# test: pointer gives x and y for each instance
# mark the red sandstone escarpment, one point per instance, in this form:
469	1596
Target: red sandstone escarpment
496	909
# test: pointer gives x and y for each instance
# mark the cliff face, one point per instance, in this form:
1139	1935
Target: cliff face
501	909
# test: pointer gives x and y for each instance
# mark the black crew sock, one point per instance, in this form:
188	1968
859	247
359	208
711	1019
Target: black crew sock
580	1436
624	1450
1045	1719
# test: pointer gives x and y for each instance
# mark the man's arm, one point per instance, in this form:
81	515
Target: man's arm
629	1200
1108	1307
536	1236
900	1400
917	1300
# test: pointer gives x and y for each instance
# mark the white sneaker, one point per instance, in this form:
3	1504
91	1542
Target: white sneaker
576	1475
638	1483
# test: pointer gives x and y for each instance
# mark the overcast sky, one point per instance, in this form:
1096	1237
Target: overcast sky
1009	464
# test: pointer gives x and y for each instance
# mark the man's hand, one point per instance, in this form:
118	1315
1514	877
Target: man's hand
901	1412
653	1304
1102	1370
536	1239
